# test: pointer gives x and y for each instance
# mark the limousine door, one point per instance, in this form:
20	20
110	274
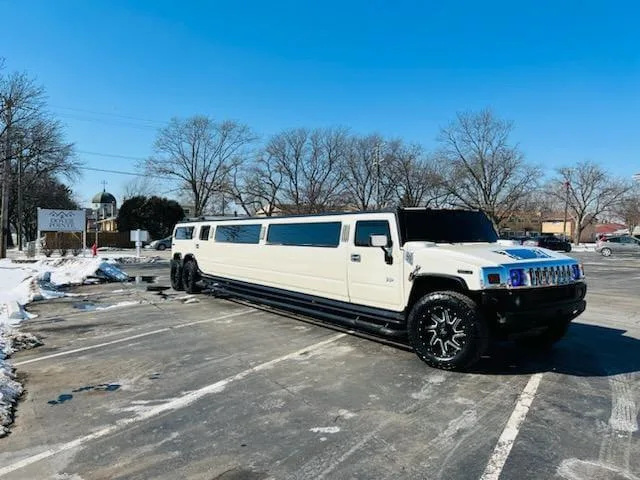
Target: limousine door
372	279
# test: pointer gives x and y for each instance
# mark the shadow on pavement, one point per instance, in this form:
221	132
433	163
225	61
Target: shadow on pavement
586	351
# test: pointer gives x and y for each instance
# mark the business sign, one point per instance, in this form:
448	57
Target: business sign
139	236
61	220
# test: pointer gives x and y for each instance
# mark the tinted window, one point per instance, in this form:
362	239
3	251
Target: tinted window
326	234
184	233
365	229
446	226
613	240
204	232
238	233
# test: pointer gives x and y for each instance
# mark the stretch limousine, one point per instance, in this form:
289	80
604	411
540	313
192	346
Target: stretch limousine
439	278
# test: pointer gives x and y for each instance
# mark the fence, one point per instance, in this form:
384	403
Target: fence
72	241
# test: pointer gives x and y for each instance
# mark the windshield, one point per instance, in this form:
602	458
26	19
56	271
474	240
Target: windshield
446	226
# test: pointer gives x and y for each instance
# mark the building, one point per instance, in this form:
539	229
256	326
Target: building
105	213
520	224
556	225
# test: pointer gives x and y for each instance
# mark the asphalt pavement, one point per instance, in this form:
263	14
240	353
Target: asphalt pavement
142	384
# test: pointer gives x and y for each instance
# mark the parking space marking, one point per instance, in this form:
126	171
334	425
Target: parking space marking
176	403
511	430
132	337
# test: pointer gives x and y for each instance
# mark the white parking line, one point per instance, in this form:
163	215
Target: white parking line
132	337
176	403
511	430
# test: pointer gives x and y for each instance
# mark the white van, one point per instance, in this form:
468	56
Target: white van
438	277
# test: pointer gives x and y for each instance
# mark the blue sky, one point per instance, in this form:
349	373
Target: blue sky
566	72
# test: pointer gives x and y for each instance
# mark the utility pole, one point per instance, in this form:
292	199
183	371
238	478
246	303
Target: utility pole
567	185
6	180
19	203
378	176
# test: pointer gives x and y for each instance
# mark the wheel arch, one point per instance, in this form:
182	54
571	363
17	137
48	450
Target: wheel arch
428	283
189	257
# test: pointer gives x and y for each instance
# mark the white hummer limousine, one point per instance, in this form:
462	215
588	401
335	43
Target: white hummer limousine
439	278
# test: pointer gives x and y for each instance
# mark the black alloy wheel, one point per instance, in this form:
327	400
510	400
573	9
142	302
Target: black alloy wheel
447	330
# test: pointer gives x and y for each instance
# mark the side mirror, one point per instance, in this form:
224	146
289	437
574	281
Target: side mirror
382	241
378	241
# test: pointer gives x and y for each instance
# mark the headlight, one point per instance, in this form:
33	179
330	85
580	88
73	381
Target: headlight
577	271
517	277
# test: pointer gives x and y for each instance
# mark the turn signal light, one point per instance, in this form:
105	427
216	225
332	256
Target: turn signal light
494	278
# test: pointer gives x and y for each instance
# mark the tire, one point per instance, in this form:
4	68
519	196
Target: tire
546	339
606	252
162	246
190	277
176	276
568	249
447	330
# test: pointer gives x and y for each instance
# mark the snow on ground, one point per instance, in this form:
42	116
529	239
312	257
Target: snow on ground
21	283
10	390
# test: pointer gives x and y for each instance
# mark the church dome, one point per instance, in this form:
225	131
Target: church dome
103	198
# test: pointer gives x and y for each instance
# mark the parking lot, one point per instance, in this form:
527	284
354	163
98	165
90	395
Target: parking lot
171	386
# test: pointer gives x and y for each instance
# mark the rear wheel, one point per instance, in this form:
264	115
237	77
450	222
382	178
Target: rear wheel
162	246
176	276
447	330
606	252
546	339
190	277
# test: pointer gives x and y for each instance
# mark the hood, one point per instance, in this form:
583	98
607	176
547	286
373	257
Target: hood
480	254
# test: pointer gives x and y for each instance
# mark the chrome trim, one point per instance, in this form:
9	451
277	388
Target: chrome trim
539	274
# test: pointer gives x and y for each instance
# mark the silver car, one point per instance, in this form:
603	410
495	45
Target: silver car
621	244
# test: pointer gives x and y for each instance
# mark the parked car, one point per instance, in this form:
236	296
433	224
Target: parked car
550	242
162	244
622	244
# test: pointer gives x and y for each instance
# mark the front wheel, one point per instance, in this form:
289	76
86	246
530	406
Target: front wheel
162	246
606	252
447	330
546	339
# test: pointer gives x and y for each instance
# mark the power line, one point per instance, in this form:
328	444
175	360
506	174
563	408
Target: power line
120	172
112	155
93	112
107	121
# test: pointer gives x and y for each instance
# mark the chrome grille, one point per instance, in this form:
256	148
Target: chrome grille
553	275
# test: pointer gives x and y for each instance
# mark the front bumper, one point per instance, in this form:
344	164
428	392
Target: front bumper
522	310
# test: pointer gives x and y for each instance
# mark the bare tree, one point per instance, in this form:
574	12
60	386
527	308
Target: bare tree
311	165
416	181
142	186
481	169
33	147
256	187
592	192
628	210
369	173
199	153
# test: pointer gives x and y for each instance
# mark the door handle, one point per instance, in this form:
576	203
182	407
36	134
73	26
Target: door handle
355	257
197	245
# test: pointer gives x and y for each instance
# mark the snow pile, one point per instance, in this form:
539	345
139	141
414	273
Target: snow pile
23	283
10	390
